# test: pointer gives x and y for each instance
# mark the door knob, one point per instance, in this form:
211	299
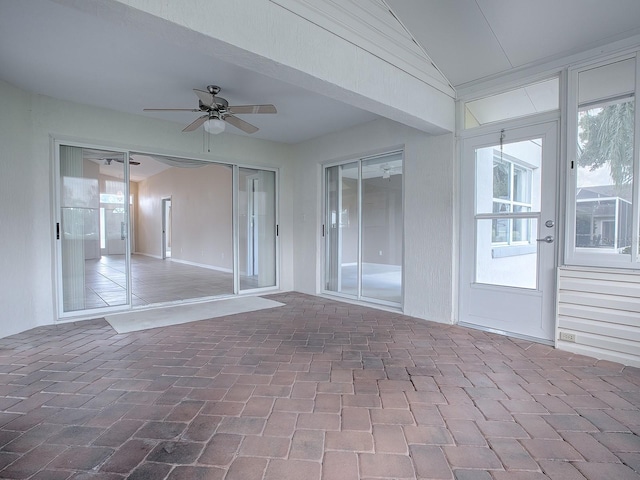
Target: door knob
547	239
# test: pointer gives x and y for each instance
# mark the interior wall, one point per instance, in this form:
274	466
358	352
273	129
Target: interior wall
201	209
27	125
429	216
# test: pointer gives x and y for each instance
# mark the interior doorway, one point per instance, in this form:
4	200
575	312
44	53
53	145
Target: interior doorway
166	227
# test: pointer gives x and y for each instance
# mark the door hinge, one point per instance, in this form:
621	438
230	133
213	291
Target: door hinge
323	230
277	230
57	231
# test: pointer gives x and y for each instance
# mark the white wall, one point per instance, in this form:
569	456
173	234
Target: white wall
201	214
26	123
429	217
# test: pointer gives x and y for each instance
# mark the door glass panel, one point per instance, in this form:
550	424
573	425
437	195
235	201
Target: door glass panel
257	228
382	228
514	265
341	269
508	193
93	229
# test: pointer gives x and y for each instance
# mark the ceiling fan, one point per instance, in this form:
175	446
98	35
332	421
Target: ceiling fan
107	161
217	111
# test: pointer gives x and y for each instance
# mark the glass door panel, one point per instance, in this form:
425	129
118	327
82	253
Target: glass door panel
382	228
508	192
342	224
93	229
256	228
363	229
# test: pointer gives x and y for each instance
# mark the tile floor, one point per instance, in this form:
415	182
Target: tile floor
316	389
154	281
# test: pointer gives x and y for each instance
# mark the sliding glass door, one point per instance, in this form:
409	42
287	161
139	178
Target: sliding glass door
257	228
363	229
204	230
92	229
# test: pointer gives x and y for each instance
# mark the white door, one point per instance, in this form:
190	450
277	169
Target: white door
508	231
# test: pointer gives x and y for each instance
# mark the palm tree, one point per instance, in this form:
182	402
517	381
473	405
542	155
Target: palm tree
606	137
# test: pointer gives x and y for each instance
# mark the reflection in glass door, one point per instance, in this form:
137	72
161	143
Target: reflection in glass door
92	229
341	228
363	229
256	228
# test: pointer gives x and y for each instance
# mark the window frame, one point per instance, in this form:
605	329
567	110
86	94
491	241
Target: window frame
511	203
574	255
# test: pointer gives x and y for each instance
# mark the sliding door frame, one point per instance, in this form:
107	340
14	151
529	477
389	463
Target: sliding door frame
325	229
56	215
57	141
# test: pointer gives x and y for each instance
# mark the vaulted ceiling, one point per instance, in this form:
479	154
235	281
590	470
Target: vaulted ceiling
51	48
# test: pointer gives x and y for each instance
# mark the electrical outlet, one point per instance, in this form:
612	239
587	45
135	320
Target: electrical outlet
567	337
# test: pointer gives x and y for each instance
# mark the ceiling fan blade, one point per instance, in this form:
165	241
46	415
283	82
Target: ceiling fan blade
170	110
131	162
253	109
241	124
205	97
196	123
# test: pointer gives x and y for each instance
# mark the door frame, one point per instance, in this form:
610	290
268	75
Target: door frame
56	215
358	160
487	136
165	200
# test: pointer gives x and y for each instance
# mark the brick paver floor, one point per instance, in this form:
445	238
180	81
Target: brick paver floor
316	389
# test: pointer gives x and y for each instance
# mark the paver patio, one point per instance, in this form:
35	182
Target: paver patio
316	389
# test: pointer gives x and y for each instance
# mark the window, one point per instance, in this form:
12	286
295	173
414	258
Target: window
511	194
604	167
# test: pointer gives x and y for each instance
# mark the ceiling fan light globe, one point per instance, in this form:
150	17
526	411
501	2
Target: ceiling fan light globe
214	126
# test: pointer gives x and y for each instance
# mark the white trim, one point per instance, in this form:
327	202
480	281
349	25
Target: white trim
148	255
503	81
201	265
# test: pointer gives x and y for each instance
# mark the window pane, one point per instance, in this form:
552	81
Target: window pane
521	230
608	81
257	228
521	185
501	179
341	268
382	228
605	177
506	265
500	231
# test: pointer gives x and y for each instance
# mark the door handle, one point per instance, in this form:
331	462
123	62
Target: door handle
122	233
547	239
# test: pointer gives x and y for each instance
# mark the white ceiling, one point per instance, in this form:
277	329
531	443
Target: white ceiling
473	39
63	52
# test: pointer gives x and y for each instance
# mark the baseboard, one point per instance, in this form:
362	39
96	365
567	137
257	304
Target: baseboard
202	265
147	255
